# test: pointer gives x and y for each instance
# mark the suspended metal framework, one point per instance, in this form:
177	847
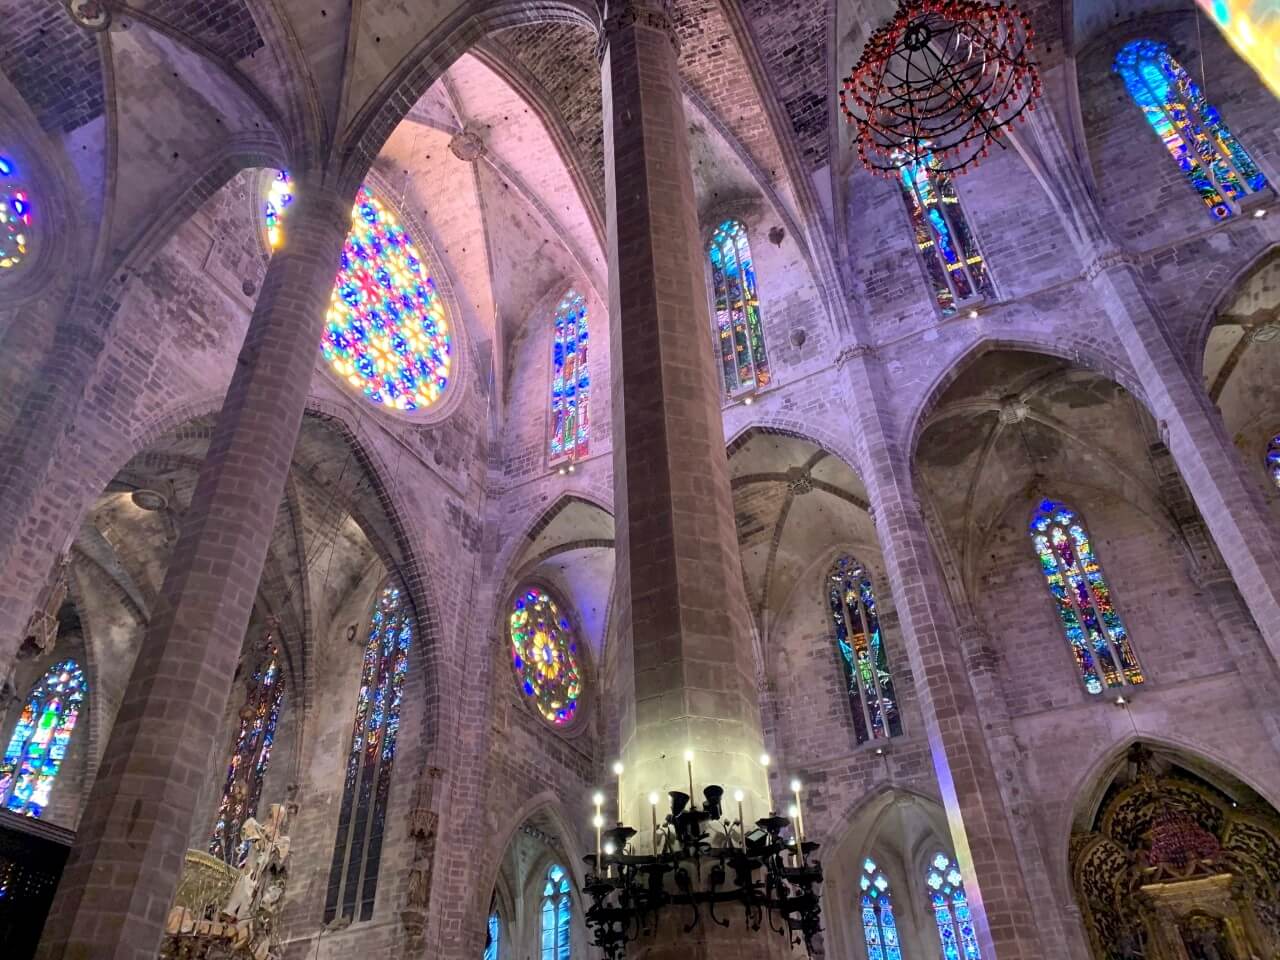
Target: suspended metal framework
940	83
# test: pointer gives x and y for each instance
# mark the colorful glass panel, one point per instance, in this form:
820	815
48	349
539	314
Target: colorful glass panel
16	220
1219	169
861	651
570	381
739	329
952	262
279	196
353	875
39	741
1273	459
556	911
956	933
250	754
544	655
1098	638
492	937
879	928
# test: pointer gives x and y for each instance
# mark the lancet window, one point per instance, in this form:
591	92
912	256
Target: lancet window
353	875
1097	635
739	329
557	909
39	742
945	889
860	647
570	381
1214	162
879	928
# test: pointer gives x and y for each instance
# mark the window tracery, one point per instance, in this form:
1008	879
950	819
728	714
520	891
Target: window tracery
544	655
250	754
1082	597
861	650
353	875
570	381
951	909
493	935
739	328
16	217
949	251
879	928
39	742
1218	167
557	910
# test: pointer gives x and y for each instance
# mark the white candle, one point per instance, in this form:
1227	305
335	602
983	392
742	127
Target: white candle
617	772
598	822
768	785
653	815
796	786
742	824
688	759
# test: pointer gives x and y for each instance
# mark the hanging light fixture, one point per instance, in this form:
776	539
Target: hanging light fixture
940	84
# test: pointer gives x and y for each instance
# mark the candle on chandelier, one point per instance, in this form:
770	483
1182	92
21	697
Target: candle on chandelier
653	815
617	772
796	786
598	822
688	759
742	824
768	786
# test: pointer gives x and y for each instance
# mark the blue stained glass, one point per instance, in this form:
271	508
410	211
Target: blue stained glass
570	381
1218	167
879	929
557	910
353	874
956	933
39	741
492	946
739	328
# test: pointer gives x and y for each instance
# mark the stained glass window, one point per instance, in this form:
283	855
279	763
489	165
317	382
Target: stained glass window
279	196
556	911
951	909
492	937
570	381
861	651
544	655
16	221
952	262
1080	593
739	330
353	876
250	753
39	741
1273	459
1213	160
879	929
386	333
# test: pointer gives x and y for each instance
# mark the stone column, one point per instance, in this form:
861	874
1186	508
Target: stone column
980	824
128	854
687	675
1229	499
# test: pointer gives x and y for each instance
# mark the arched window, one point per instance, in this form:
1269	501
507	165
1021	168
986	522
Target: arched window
739	330
951	909
861	651
386	334
879	929
1219	168
1073	574
16	221
39	741
250	753
353	876
570	381
556	910
544	655
952	262
1273	459
492	937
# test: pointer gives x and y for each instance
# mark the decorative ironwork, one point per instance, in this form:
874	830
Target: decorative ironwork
695	867
940	83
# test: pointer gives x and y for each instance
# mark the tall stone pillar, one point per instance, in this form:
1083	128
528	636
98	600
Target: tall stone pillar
128	854
688	677
980	824
1228	498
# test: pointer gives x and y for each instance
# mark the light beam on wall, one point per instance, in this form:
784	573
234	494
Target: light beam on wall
1253	28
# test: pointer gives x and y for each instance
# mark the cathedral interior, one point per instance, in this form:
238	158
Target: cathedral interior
571	480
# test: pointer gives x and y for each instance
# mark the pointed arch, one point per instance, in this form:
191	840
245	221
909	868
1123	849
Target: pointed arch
556	915
1215	163
1093	627
38	744
879	925
951	912
739	328
570	420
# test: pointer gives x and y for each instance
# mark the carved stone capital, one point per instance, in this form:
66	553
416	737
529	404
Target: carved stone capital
92	15
851	353
652	14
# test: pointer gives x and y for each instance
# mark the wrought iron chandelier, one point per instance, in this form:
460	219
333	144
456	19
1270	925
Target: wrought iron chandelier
940	83
702	862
